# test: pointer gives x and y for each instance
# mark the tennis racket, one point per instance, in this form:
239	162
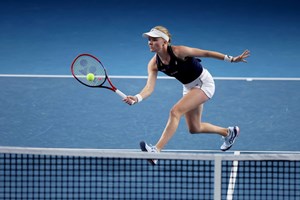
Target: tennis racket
86	64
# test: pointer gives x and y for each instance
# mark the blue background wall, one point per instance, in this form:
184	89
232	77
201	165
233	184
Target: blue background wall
42	37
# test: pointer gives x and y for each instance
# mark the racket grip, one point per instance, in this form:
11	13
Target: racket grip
121	94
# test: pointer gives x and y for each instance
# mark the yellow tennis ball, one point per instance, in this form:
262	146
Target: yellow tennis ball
90	77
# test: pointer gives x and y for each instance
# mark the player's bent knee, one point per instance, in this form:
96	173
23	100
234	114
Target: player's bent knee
193	130
174	112
194	127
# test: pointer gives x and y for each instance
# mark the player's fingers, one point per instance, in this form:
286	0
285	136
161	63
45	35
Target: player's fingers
126	100
129	100
246	54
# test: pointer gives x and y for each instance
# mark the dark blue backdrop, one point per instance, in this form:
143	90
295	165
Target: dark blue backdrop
42	37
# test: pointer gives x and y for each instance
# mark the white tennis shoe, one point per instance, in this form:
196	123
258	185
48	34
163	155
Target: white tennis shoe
151	149
233	133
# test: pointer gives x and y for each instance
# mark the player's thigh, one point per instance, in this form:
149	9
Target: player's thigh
191	101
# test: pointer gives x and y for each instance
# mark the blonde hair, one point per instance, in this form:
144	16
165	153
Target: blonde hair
164	30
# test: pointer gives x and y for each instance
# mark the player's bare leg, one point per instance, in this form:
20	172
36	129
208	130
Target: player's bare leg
190	101
195	125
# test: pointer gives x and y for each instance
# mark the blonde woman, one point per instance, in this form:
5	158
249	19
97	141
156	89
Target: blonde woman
182	63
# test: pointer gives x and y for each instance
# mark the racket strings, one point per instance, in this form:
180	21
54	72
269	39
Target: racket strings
85	65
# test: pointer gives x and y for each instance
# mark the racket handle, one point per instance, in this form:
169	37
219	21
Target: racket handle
121	94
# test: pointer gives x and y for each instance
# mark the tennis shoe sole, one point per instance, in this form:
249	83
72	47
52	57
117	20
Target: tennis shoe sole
144	149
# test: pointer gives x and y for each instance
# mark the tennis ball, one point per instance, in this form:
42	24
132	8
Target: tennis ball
90	77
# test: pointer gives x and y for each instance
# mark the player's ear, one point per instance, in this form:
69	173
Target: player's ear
165	43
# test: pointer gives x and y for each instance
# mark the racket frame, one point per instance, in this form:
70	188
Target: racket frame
106	78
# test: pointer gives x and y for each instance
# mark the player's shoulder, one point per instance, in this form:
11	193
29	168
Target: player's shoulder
180	51
153	63
180	47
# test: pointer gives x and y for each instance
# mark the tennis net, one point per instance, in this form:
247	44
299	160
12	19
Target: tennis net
46	173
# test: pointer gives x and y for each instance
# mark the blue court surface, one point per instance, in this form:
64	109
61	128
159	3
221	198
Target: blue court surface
41	38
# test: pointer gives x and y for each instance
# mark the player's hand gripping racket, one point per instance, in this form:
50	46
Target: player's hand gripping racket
89	71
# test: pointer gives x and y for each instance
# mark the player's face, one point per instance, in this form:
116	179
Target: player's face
155	44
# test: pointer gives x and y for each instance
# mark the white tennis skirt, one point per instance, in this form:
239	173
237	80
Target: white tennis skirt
205	82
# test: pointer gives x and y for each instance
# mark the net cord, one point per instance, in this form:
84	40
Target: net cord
142	155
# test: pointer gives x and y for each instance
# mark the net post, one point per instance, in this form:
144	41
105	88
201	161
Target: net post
217	177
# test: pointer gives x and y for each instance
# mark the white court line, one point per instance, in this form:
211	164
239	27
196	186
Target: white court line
232	179
159	77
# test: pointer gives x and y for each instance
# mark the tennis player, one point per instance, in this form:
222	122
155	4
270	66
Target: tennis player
182	63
